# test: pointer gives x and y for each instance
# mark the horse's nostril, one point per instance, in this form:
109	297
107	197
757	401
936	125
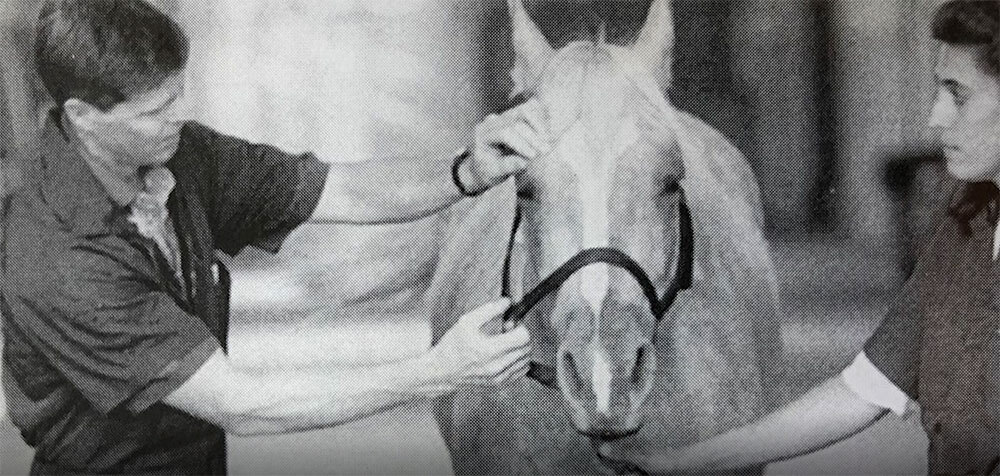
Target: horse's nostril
569	366
644	368
640	365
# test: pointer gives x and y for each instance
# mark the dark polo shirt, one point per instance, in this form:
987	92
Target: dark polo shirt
939	341
97	326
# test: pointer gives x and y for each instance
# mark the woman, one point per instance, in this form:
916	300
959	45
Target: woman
938	345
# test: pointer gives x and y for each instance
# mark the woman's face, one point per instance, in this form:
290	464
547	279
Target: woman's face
967	115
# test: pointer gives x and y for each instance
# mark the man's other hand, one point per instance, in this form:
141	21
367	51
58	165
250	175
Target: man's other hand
505	144
469	354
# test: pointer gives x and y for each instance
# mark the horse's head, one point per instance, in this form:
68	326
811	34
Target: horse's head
612	180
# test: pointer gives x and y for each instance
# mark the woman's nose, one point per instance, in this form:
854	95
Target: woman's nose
942	113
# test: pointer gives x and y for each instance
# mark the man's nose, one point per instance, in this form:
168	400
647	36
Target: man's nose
182	110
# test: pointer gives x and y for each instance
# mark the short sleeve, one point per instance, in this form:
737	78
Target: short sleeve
255	194
872	386
113	337
894	347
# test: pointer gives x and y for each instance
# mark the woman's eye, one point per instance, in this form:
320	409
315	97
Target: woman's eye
958	96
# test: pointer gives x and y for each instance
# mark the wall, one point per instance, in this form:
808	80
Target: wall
350	81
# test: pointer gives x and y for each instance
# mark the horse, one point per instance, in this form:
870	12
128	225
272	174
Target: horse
626	167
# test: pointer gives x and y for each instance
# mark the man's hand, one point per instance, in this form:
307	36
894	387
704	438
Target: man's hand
468	354
505	144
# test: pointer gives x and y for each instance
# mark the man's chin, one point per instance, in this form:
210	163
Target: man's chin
163	155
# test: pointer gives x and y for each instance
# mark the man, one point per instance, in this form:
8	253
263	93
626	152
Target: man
115	310
939	344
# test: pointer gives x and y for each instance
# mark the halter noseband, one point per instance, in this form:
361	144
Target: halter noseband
546	374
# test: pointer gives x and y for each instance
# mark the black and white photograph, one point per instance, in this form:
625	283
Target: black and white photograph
465	237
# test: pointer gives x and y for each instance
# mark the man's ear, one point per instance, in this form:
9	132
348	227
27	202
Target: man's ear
80	113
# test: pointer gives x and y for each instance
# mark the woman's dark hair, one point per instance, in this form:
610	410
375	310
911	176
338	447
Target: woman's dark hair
104	52
972	23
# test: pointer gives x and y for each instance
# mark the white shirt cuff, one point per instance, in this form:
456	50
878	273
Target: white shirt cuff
869	383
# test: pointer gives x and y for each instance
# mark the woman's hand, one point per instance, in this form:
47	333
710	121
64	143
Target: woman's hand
625	458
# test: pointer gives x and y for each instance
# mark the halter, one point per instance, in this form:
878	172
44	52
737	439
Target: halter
546	374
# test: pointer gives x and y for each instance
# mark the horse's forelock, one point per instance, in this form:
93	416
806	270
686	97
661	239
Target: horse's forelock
579	66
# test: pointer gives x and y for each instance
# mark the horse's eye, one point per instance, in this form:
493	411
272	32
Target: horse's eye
525	192
671	186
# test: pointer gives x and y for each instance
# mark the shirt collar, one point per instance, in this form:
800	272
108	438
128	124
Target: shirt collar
975	202
122	184
86	199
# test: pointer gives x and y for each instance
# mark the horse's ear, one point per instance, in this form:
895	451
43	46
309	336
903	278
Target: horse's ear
654	47
531	50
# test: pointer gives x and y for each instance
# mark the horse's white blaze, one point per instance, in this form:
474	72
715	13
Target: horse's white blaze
592	186
600	379
594	286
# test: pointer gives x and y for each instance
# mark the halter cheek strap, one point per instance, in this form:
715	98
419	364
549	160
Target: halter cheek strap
658	305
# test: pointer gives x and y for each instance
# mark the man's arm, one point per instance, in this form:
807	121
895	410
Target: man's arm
386	191
827	414
402	190
284	401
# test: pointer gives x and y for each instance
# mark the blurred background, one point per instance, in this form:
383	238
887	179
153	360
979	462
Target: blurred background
827	98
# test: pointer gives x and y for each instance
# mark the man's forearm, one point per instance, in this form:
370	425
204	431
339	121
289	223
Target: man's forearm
825	415
387	191
287	402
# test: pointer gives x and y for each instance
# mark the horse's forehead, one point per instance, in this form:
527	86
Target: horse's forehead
583	82
597	111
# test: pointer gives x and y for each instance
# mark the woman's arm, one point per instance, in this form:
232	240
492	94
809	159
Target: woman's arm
827	414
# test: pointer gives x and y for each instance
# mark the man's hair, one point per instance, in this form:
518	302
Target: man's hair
972	23
104	52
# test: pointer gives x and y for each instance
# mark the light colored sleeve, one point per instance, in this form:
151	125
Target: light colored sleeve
869	383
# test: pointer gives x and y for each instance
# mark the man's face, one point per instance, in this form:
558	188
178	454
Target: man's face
967	115
142	131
